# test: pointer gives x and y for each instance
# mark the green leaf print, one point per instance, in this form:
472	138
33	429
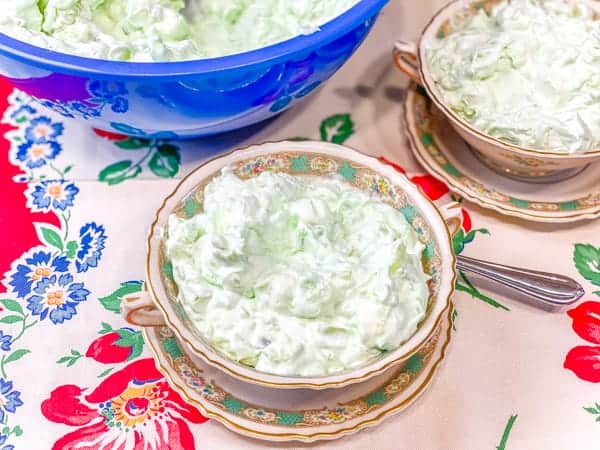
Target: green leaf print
162	158
49	235
22	320
475	293
11	319
106	372
460	238
106	328
587	261
118	172
506	434
12	305
463	284
165	162
134	339
71	359
16	355
337	128
594	410
112	302
133	143
71	249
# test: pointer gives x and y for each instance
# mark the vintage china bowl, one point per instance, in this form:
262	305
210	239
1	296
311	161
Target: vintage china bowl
185	99
511	160
157	304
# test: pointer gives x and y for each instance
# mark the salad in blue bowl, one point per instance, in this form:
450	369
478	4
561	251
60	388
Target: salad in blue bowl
175	68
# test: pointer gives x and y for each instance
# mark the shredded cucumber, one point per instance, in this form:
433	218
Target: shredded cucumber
308	276
528	73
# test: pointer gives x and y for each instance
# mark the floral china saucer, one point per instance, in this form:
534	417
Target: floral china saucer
446	156
300	414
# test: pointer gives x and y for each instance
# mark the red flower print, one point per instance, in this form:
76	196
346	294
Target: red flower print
466	220
586	321
133	409
106	350
110	135
17	220
432	187
584	360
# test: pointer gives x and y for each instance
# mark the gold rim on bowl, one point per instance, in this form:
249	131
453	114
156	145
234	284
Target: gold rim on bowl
437	303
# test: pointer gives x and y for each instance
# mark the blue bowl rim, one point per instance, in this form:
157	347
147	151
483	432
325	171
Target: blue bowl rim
66	63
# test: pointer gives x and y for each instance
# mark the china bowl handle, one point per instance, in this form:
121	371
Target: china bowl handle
405	58
139	309
452	214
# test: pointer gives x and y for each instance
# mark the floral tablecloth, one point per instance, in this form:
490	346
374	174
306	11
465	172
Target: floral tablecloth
75	207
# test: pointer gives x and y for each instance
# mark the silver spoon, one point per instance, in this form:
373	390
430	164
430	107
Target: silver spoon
547	289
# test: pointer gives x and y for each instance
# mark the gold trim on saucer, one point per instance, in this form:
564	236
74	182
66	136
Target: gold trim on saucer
443	342
422	122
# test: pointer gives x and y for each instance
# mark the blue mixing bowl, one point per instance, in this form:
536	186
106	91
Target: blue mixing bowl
188	98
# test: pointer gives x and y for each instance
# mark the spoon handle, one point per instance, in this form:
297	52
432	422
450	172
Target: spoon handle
548	288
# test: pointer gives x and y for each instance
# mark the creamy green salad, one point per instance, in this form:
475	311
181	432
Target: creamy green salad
527	74
298	275
163	30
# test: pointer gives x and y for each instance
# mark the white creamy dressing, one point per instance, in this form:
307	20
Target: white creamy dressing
298	275
528	74
163	30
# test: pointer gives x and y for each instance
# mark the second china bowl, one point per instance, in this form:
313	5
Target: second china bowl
511	160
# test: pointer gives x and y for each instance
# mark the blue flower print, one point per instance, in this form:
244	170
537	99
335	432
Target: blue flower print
3	438
21	111
120	105
37	154
51	195
9	399
31	267
106	90
42	129
56	297
58	106
91	244
86	111
109	92
5	341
